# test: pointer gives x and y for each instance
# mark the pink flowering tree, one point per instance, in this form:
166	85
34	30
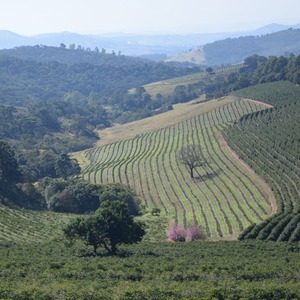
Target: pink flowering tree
176	233
195	233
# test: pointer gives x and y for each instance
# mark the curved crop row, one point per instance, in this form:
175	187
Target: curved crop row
222	198
269	142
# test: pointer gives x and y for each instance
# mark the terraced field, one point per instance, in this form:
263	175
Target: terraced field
225	198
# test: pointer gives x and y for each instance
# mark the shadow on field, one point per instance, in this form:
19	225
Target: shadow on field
207	176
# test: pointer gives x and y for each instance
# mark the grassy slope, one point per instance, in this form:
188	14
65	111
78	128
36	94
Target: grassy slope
166	87
196	56
226	197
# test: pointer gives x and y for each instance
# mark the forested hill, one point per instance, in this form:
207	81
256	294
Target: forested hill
71	55
235	50
101	74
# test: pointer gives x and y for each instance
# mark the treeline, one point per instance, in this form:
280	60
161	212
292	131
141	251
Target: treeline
256	70
235	50
61	193
71	54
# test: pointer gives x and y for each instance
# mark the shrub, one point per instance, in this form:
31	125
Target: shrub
176	233
195	233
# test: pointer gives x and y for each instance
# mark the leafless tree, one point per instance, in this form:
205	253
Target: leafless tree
192	157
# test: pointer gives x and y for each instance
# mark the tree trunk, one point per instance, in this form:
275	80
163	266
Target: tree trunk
95	249
192	172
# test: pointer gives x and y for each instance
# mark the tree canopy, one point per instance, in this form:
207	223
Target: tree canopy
9	169
111	226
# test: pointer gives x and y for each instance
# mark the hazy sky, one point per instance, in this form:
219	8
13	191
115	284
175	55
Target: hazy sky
29	17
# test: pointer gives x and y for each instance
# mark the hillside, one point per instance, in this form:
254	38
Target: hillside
234	50
53	98
211	199
273	137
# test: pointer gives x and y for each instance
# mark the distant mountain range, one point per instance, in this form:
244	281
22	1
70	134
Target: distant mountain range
157	46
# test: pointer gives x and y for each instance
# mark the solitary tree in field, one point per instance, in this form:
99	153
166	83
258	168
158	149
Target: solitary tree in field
191	156
109	227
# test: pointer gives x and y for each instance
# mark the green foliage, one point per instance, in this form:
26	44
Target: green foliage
65	93
9	169
200	270
111	226
77	196
269	142
275	93
12	192
256	69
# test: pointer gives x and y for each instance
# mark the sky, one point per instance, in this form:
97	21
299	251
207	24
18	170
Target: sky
31	17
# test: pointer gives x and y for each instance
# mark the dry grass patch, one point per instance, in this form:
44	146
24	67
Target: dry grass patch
180	113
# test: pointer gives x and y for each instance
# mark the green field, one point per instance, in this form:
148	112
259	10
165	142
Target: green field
166	87
225	198
26	226
200	270
269	142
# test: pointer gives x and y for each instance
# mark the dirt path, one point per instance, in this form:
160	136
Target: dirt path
266	187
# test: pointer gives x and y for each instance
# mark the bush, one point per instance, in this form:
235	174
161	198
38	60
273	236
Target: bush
176	233
195	233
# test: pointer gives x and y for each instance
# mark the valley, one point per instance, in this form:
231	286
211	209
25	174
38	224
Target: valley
87	137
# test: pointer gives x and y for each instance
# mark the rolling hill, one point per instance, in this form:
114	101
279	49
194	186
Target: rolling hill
225	198
234	50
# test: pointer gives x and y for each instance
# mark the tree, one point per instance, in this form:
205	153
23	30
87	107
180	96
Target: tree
9	169
65	166
109	227
191	156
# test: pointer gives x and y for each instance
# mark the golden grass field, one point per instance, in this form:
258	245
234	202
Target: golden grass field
180	113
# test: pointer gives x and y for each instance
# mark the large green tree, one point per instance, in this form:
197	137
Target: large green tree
109	227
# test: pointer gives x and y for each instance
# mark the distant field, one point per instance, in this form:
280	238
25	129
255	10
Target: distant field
166	87
224	199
